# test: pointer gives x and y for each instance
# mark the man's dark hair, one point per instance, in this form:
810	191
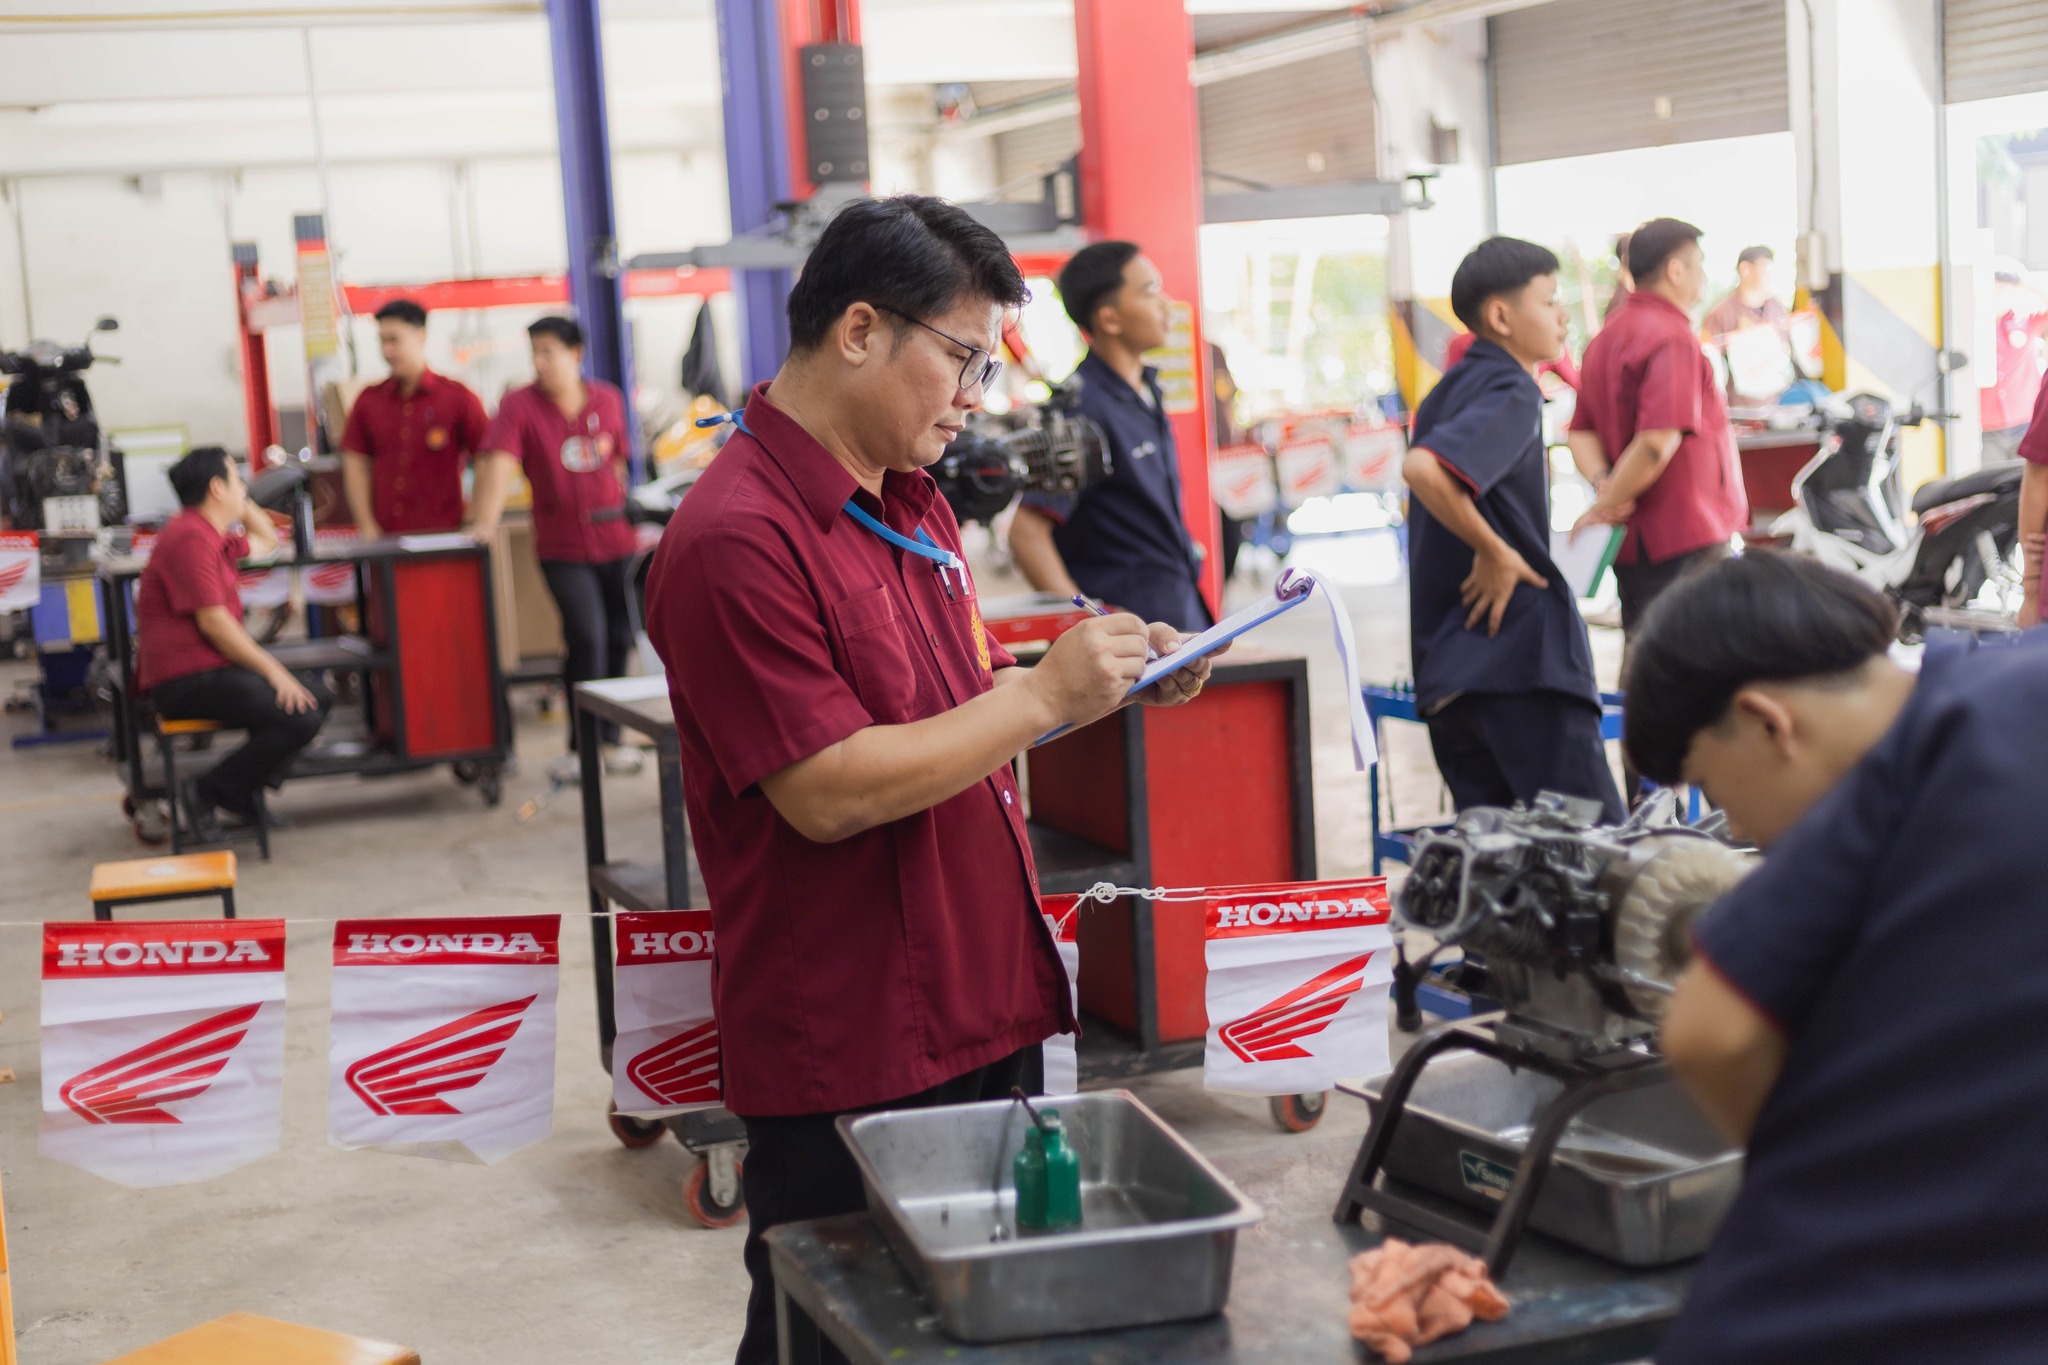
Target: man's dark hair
1755	253
1762	618
191	476
1654	243
1498	265
1090	276
910	254
403	310
565	330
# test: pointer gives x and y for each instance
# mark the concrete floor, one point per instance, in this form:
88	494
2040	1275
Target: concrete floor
574	1248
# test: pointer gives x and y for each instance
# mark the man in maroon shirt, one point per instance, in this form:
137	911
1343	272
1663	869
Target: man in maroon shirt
409	437
1651	428
847	726
196	662
569	434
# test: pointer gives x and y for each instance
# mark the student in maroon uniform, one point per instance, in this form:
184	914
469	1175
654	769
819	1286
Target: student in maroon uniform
847	726
196	662
568	433
409	437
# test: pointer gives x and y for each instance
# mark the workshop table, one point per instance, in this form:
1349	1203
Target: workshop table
837	1279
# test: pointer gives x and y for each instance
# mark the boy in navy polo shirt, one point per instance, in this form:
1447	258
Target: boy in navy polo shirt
1865	1011
1503	668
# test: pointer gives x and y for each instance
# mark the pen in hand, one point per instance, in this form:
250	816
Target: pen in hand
1151	654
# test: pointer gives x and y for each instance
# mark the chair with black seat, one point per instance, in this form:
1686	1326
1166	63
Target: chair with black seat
167	734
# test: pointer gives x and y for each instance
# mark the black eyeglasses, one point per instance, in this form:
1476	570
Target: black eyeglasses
981	367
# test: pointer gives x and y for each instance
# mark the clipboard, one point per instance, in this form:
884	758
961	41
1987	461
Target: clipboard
1222	633
1585	562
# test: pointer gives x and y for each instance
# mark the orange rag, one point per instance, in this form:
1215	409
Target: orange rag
1404	1296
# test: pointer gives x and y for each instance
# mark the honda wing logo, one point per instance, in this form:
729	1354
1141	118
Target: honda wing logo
683	1070
10	575
409	1079
1272	1032
134	1087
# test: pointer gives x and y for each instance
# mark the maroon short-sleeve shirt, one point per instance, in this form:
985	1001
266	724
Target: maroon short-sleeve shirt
1646	371
191	566
858	972
576	467
417	445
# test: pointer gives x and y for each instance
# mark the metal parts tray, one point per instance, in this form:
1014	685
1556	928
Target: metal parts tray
1158	1223
1641	1177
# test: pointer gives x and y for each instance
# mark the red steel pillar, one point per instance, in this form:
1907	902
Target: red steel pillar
1141	181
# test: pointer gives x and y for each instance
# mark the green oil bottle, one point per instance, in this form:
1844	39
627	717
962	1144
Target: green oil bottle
1047	1176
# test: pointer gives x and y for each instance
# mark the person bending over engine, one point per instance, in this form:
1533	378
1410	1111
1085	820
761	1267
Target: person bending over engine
1865	1010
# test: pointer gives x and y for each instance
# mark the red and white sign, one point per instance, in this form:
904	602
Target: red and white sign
1308	468
1298	981
262	588
665	1057
1372	456
21	570
443	1034
1062	915
163	1047
330	584
1241	479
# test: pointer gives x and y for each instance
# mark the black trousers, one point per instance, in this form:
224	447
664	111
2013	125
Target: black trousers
237	697
798	1168
1639	585
595	623
1497	748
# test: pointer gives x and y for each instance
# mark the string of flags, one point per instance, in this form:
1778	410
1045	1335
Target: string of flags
163	1041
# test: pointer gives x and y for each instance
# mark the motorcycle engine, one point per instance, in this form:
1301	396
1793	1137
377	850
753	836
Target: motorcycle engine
1048	447
1582	929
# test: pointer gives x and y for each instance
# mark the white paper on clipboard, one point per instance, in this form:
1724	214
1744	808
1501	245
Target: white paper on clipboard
1222	633
1584	561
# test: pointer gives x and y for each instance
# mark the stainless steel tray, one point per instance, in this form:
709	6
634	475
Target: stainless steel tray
1158	1222
1641	1177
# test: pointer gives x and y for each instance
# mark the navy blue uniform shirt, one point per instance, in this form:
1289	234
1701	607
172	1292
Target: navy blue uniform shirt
1123	539
1893	1207
1484	421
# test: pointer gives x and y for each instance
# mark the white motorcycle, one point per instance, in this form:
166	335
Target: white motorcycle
1961	551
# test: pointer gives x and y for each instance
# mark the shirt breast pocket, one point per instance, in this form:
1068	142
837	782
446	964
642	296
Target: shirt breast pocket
878	647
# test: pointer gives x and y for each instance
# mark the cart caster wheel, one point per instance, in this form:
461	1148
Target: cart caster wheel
148	822
704	1204
466	770
491	785
632	1132
1298	1113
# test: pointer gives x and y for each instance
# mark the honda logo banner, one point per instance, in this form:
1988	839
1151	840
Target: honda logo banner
163	1047
443	1035
1298	980
665	1057
21	570
265	588
1062	1063
331	584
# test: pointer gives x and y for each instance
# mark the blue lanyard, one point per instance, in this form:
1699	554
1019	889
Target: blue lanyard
944	561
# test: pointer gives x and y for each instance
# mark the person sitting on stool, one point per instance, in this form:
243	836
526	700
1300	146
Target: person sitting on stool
198	663
569	434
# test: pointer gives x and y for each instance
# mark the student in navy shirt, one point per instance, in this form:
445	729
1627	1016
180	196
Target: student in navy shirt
1866	1010
1123	539
1503	668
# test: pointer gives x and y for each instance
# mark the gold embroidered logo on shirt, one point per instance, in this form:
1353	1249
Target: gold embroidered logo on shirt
980	639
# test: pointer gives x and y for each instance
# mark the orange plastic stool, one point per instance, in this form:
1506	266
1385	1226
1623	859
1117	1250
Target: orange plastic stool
245	1339
179	877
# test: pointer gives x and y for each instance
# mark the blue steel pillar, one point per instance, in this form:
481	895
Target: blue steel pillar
756	168
595	280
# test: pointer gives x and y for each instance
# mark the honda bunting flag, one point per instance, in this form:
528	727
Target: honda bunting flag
1063	921
443	1035
665	1057
21	570
331	584
263	588
1297	992
163	1047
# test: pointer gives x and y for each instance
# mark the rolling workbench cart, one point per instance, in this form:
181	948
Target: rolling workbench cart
426	666
712	1189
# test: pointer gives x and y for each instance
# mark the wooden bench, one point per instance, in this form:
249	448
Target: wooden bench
245	1339
181	876
167	733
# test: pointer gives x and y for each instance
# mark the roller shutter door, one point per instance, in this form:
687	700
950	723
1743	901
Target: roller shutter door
1036	149
1305	123
1994	47
1581	76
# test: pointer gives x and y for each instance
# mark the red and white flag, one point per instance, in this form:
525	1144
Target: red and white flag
1298	980
266	587
1062	916
665	1057
163	1047
21	570
330	584
442	1039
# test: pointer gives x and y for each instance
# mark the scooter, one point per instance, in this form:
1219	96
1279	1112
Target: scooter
51	445
1961	553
